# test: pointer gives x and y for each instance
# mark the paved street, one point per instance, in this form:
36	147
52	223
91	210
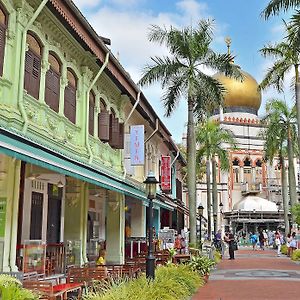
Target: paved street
253	275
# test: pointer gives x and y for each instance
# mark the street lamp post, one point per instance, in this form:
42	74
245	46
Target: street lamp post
200	212
151	183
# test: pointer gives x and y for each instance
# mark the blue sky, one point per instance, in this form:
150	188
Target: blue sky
126	23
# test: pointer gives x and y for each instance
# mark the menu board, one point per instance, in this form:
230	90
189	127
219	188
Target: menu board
2	216
34	257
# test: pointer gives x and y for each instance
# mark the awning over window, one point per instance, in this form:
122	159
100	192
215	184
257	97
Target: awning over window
21	148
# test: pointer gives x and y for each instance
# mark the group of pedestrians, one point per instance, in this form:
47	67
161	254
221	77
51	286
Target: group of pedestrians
273	239
229	242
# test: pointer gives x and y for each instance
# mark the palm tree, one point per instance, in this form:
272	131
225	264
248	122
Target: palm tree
211	139
287	57
181	75
279	137
276	6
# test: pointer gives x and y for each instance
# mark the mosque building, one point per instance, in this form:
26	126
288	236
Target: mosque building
249	194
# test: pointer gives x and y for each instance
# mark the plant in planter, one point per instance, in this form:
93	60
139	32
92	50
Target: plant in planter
202	264
296	255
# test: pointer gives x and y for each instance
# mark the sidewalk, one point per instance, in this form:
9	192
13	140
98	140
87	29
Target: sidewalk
253	275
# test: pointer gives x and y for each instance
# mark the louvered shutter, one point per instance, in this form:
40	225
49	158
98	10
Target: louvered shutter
120	144
70	103
103	126
2	46
28	70
178	189
114	133
52	89
32	74
91	113
36	72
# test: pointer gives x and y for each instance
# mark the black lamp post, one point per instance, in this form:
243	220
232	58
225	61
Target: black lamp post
151	183
200	212
221	207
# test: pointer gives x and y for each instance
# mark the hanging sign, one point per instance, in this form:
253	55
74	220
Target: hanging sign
137	150
165	173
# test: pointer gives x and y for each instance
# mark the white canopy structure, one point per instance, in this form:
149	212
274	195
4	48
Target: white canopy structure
254	203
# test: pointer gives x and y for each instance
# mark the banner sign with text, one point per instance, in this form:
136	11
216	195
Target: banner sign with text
165	173
137	148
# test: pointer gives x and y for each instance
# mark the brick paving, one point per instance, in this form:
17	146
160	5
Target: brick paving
257	275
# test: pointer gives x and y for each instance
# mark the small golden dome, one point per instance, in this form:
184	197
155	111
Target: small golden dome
241	94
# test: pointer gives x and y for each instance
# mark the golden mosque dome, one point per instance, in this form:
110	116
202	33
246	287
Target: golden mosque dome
240	96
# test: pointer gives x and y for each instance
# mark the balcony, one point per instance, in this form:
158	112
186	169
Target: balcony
251	188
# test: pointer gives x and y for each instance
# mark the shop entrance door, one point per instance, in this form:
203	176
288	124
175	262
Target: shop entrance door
54	214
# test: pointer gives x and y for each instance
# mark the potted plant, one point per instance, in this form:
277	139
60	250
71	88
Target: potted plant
203	265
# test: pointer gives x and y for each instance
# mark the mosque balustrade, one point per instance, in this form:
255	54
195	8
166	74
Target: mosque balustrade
248	188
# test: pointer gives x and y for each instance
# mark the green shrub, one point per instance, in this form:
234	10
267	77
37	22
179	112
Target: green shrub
284	249
296	255
201	264
172	282
11	289
217	256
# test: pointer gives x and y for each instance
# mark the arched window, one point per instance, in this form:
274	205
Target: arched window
3	28
114	130
247	162
91	112
70	97
52	88
32	66
103	123
236	162
258	163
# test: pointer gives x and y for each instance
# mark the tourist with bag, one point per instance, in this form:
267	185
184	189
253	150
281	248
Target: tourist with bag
278	242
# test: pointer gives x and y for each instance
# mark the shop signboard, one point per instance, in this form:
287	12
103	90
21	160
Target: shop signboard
137	148
2	216
165	173
34	256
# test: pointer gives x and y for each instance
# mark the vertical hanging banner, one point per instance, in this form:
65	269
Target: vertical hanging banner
137	148
165	173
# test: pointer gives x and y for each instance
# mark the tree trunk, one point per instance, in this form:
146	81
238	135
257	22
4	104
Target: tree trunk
297	97
215	193
191	174
284	193
291	171
208	198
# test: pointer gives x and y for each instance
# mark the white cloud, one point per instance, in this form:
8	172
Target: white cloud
128	30
87	3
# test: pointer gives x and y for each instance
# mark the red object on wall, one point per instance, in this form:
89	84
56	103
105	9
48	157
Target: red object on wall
166	173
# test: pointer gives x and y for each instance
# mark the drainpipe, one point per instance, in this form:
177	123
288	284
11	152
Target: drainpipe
134	107
178	152
152	134
87	111
22	65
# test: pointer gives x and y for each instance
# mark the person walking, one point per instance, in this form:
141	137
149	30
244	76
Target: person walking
261	241
278	242
288	244
293	243
231	245
253	240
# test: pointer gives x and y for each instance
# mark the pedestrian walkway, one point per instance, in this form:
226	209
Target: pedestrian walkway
257	275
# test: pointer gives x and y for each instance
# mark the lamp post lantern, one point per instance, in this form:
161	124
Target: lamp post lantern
200	212
150	183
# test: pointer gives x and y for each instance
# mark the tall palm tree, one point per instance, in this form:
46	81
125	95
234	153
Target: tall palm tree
279	137
274	7
211	139
287	57
181	75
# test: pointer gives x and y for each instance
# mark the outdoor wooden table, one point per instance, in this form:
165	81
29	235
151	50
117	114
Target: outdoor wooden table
178	258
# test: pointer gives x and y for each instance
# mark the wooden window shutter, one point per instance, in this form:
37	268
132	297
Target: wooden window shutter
103	126
32	74
114	133
120	144
2	46
52	89
91	113
70	103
